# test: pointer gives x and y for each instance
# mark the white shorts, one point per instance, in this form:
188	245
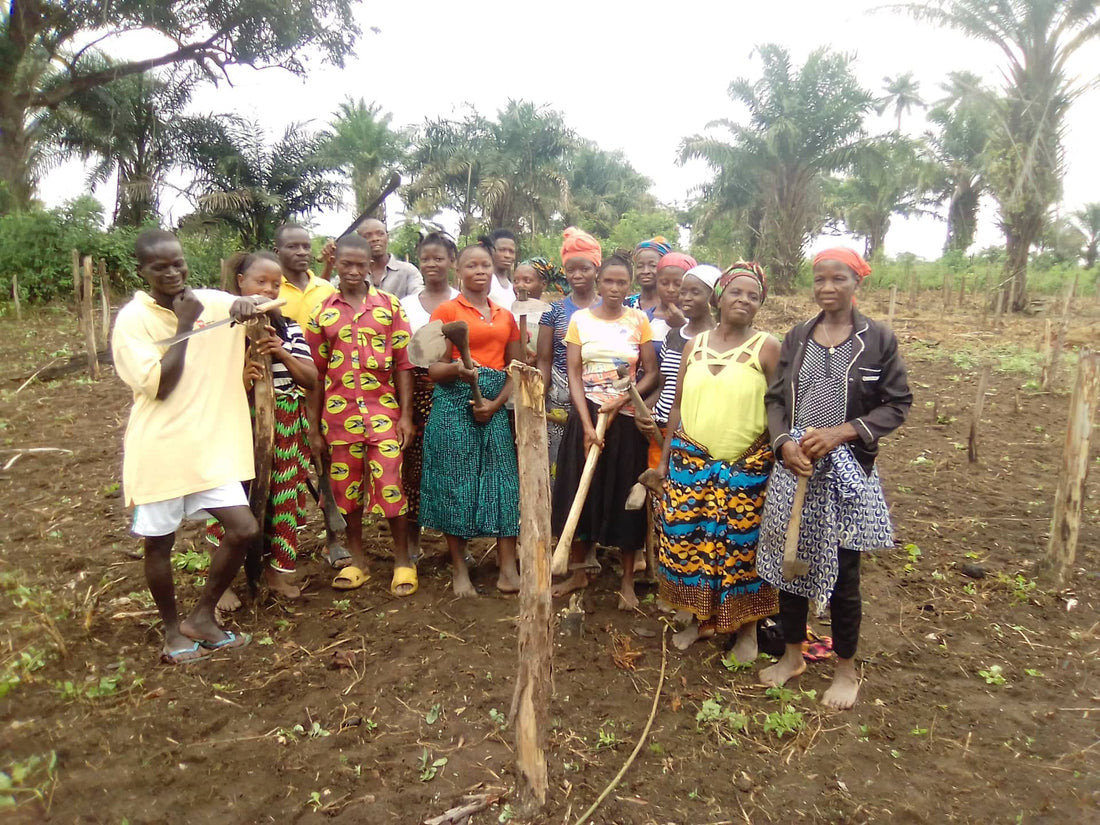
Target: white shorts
162	518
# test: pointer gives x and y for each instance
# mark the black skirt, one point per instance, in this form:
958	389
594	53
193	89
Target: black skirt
604	519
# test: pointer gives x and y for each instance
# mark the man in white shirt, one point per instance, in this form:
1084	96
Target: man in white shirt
503	291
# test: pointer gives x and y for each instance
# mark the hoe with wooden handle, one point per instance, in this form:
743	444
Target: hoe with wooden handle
793	566
433	341
560	563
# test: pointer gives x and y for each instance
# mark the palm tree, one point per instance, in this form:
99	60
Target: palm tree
1037	39
601	188
887	177
803	125
131	128
903	93
363	145
958	144
246	184
445	164
1087	219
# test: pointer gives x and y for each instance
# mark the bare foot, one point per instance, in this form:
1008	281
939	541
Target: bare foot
628	599
745	648
508	580
229	601
686	637
639	562
461	584
789	667
202	629
577	581
281	585
842	693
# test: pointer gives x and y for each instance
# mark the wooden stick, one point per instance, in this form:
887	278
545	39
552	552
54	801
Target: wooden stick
561	552
946	290
76	287
105	303
1047	374
1069	499
893	305
15	296
263	434
962	288
641	739
531	699
793	567
976	416
87	315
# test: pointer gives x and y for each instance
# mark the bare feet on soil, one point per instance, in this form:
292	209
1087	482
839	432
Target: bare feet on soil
229	601
508	580
842	693
745	648
692	633
280	584
789	667
628	599
577	581
461	584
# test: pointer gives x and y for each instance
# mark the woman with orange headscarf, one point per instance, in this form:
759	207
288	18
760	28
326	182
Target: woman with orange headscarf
840	387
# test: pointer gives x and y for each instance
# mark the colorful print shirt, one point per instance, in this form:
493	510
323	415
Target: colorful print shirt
358	352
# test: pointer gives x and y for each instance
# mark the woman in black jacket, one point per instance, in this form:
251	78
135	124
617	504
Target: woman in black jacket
840	386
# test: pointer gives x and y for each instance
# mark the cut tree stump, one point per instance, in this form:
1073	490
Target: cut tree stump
1069	499
105	304
531	700
87	319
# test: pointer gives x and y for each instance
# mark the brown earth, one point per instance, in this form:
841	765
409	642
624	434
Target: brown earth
278	732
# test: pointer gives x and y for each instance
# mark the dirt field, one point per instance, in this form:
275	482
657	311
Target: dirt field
981	699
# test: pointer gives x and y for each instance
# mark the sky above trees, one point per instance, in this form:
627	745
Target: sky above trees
638	82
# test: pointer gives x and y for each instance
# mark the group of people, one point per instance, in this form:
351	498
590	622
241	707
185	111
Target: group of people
739	428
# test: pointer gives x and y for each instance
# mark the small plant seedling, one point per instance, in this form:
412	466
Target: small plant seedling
432	716
429	768
1032	672
343	605
498	718
729	662
506	814
315	801
725	722
919	731
607	737
896	754
783	695
192	561
914	554
787	721
864	733
970	589
994	675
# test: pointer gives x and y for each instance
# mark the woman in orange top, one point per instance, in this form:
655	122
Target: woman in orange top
469	486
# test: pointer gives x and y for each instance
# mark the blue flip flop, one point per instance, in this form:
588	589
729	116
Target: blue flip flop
230	641
172	657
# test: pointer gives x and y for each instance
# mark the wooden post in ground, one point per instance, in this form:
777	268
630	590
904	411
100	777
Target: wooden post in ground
531	700
15	297
105	303
1069	499
87	318
976	415
1047	372
893	306
946	290
962	289
998	316
76	288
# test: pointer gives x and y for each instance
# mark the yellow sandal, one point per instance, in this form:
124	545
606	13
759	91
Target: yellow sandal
404	576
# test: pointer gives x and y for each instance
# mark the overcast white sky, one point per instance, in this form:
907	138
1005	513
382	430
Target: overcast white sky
632	76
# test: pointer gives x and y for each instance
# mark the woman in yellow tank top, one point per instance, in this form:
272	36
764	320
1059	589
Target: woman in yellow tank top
716	467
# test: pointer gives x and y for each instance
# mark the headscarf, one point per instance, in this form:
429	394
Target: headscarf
546	270
749	268
576	243
849	257
685	262
658	244
706	273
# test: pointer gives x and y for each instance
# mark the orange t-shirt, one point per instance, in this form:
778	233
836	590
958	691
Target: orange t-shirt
488	339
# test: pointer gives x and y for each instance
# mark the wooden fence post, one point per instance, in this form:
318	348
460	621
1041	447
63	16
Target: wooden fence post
87	318
976	415
1045	375
1069	499
962	289
15	296
947	290
531	700
105	303
893	306
77	300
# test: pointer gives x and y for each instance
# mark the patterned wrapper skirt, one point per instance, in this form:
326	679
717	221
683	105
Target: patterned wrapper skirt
286	502
558	406
604	519
709	524
413	458
469	484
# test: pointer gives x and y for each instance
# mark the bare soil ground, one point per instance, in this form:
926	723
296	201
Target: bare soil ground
980	703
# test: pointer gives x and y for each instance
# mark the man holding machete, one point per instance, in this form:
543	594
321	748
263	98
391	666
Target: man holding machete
387	273
188	443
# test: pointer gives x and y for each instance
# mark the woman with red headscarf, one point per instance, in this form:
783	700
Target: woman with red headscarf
840	386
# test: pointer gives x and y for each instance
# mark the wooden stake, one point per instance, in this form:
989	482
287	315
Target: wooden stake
976	416
1047	373
893	305
998	316
962	288
87	319
1069	499
531	700
263	443
105	302
76	288
15	297
946	290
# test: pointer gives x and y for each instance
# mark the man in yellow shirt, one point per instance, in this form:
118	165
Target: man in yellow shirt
302	290
188	443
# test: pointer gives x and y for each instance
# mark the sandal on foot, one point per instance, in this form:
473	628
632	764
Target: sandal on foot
404	576
230	641
185	655
350	578
337	556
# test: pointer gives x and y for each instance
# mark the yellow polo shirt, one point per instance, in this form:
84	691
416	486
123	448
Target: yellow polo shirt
200	436
301	303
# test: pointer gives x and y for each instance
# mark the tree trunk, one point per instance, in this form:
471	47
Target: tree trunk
16	175
1015	271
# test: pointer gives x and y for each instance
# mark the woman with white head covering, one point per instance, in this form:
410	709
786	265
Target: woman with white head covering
716	464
